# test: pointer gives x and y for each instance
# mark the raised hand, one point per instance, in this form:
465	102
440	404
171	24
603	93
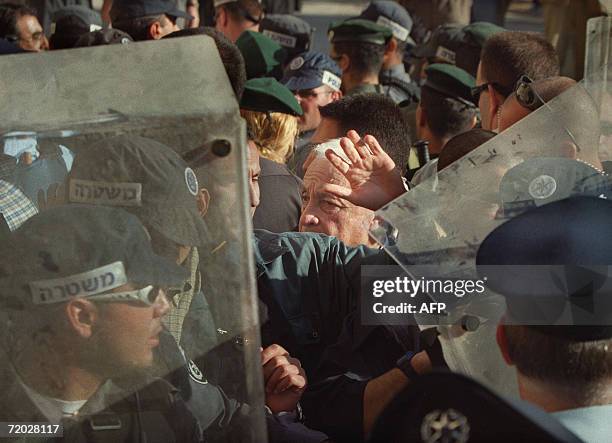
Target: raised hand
374	180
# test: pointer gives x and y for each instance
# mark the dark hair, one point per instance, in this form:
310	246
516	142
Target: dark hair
242	10
138	28
365	58
462	144
9	14
508	55
578	370
376	115
446	117
232	58
401	47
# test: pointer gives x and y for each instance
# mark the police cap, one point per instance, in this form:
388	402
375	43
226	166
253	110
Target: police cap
145	177
268	95
291	32
311	70
131	9
359	31
70	22
451	81
391	15
263	56
560	254
79	251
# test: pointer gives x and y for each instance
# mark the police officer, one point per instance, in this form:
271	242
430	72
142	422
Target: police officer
149	20
315	80
563	365
291	32
456	45
263	56
70	23
446	109
393	77
83	300
233	17
358	47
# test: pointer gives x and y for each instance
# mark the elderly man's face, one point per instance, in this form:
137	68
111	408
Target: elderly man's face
327	214
30	34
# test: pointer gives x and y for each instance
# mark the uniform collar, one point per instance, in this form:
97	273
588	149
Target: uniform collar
267	247
395	71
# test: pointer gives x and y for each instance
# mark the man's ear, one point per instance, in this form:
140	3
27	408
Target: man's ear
502	342
203	201
336	95
221	18
82	315
569	150
495	103
344	63
421	117
390	49
155	31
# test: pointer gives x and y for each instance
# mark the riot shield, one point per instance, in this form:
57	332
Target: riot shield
435	229
151	129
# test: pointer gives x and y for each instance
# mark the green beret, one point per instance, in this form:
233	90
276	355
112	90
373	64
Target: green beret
359	30
479	32
451	81
263	56
268	95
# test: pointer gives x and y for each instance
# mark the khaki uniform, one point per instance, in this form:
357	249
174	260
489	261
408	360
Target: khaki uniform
434	13
565	26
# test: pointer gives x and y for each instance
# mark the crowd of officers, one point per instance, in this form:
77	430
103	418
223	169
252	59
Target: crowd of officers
329	142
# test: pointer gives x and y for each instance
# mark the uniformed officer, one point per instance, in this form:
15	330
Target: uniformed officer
456	45
291	32
70	23
439	12
149	20
83	300
272	112
393	77
263	56
559	343
446	109
233	17
315	80
358	46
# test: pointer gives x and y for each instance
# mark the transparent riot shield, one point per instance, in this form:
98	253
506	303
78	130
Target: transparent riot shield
152	129
549	155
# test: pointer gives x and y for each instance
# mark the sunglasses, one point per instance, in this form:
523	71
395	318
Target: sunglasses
147	296
526	94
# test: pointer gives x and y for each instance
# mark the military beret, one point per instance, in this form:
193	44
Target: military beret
263	56
311	70
552	261
359	30
268	95
479	32
391	15
291	32
451	81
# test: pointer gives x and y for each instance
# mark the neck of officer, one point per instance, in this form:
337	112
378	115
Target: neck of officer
435	143
393	60
57	377
350	80
553	398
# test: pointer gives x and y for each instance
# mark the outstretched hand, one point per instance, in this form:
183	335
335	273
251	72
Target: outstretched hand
373	178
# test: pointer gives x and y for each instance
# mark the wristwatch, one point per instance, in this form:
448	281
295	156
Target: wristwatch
404	364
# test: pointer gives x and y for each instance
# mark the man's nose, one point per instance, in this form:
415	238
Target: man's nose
162	304
309	219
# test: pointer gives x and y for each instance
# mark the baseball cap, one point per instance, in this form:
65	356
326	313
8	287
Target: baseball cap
359	30
79	251
451	81
70	22
223	2
268	95
311	70
568	241
263	56
131	9
391	15
293	33
146	178
103	37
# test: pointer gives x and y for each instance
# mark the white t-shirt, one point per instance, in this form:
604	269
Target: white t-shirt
53	408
